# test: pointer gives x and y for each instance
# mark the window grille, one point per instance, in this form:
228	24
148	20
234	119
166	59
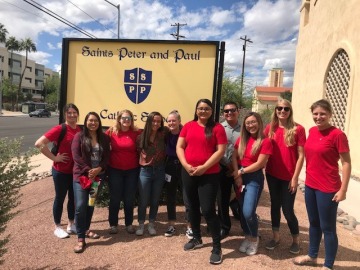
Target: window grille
337	86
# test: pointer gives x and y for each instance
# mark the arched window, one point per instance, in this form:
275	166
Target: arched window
337	86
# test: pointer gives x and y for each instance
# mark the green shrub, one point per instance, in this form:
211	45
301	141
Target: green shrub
13	174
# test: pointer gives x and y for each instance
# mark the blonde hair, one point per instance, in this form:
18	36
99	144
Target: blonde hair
116	128
245	135
289	127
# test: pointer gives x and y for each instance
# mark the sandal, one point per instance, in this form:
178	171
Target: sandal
80	247
92	235
305	260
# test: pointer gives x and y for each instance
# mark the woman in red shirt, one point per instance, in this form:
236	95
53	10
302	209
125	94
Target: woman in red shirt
283	169
201	145
324	188
251	153
123	170
62	168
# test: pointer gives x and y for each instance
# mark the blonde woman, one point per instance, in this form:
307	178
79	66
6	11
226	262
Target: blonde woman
123	170
251	153
283	169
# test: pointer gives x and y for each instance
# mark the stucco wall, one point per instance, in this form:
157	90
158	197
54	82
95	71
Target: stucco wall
332	25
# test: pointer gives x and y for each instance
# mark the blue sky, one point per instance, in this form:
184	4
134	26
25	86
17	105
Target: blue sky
272	25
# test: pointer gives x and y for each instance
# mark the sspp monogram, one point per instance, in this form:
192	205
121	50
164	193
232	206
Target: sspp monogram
137	83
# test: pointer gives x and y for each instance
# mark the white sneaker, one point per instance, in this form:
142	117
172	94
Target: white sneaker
253	248
189	233
60	233
244	245
140	230
71	229
151	229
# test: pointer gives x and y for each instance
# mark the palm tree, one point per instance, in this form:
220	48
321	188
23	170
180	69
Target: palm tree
12	44
28	46
3	33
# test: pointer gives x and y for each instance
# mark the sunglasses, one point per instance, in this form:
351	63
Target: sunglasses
230	110
126	118
279	109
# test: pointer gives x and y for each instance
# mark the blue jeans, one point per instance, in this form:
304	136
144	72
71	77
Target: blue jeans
281	198
63	183
322	217
122	186
254	184
83	212
150	186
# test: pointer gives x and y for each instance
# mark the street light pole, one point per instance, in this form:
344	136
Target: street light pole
118	8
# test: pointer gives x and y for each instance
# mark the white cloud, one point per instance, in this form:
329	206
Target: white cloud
271	25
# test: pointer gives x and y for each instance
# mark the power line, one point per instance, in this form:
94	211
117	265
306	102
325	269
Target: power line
90	16
177	34
58	17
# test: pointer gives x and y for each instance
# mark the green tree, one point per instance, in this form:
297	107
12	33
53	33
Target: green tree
9	91
12	44
231	91
28	46
51	88
286	95
3	33
14	167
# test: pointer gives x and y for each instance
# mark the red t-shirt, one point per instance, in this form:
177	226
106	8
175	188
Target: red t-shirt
322	150
248	158
282	162
123	154
199	149
65	146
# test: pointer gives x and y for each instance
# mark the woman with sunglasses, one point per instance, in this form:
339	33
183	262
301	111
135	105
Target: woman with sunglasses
283	169
201	145
123	170
324	188
251	153
91	150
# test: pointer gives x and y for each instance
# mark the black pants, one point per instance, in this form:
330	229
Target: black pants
282	198
202	191
173	168
223	199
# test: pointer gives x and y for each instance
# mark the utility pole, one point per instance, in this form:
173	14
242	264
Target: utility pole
118	8
177	34
243	64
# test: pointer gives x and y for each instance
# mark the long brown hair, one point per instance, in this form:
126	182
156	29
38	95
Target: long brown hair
145	135
245	135
289	127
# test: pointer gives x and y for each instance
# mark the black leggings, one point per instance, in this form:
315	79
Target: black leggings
201	192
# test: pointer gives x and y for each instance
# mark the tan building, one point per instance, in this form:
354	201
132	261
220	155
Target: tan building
328	66
266	97
276	77
34	77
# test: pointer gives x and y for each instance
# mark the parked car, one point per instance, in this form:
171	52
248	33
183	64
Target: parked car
40	113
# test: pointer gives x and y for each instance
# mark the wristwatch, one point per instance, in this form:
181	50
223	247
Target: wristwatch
242	171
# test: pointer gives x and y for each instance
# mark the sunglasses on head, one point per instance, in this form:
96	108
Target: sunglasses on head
279	109
230	110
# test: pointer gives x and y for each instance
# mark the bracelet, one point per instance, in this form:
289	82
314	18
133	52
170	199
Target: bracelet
242	170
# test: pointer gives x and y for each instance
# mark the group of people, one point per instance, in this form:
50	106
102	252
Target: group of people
208	160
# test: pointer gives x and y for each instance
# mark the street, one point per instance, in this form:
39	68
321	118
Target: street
31	128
